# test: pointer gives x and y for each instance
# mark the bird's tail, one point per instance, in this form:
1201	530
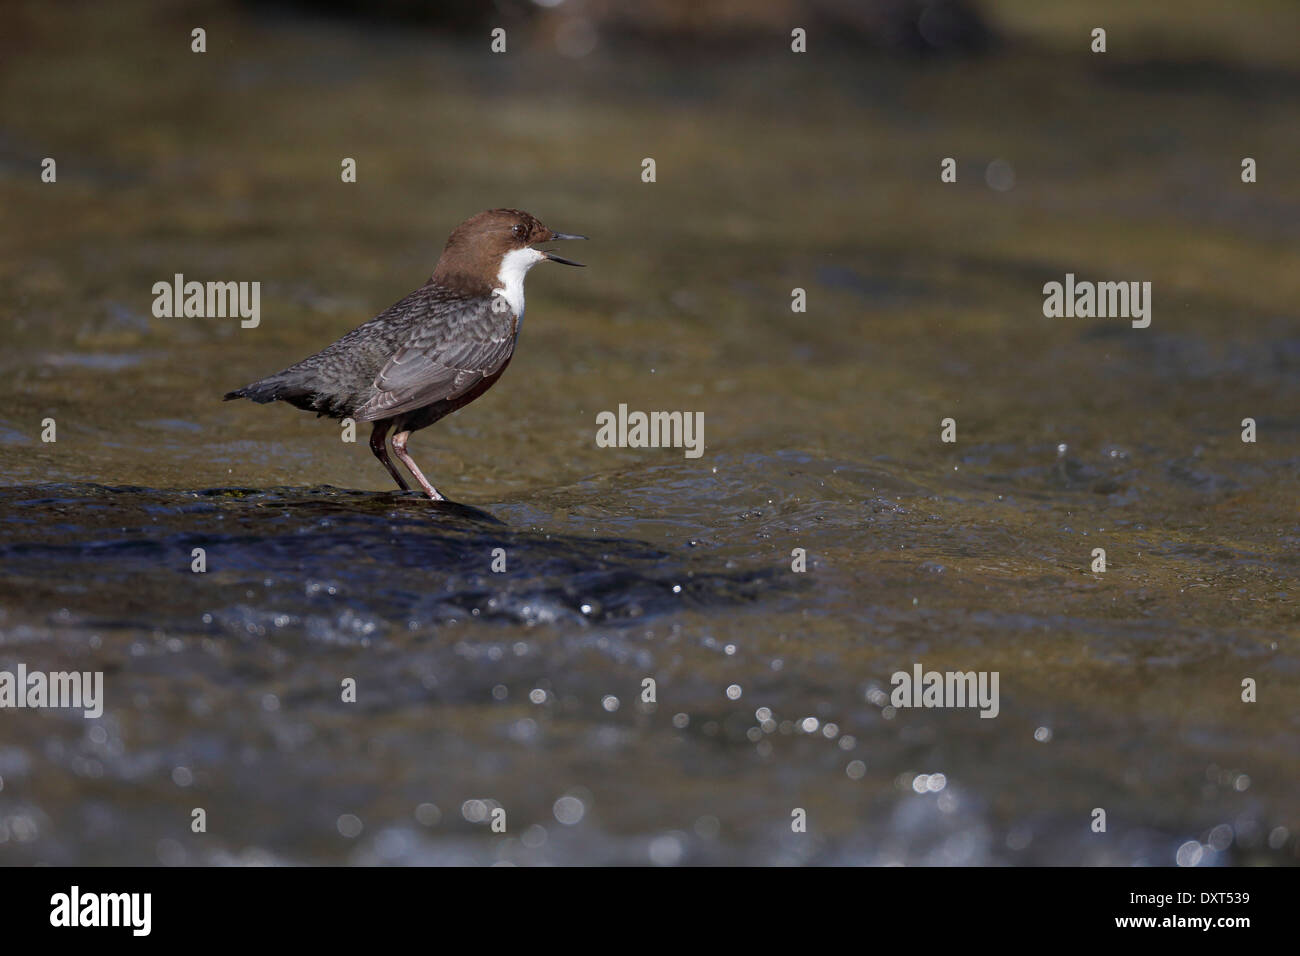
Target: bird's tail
266	390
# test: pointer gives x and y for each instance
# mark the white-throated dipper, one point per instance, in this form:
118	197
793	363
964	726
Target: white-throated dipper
437	350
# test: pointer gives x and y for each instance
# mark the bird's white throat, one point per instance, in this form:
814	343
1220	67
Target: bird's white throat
514	266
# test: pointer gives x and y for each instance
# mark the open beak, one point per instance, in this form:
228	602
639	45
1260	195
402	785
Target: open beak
560	259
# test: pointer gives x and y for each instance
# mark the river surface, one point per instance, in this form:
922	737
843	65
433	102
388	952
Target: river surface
516	694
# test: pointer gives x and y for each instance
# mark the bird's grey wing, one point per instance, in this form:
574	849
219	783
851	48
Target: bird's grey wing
451	351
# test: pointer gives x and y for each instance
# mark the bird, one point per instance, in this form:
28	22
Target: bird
433	352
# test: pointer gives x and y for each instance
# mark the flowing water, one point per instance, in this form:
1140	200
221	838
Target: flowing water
521	689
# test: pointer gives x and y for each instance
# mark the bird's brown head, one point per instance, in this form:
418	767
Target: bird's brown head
482	246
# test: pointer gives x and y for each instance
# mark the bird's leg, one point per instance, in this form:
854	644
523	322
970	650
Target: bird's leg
377	436
399	449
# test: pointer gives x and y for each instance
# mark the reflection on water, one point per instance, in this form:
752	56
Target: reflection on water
522	689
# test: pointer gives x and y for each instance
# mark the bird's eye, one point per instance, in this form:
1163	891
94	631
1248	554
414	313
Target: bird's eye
518	230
